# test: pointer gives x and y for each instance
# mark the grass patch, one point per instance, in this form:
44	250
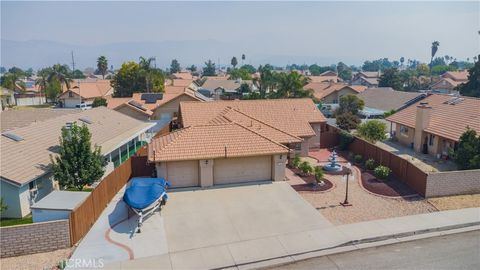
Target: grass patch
32	107
4	222
85	189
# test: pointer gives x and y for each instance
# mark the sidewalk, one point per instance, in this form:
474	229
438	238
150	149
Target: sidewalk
297	246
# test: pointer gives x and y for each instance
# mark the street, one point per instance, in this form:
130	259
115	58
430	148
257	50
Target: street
456	251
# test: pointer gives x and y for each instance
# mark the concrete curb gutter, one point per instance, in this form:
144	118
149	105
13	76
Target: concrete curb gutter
358	244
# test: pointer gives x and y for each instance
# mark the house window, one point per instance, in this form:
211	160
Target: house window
298	147
70	94
404	131
431	138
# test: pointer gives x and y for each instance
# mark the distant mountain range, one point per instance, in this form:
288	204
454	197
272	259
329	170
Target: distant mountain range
40	53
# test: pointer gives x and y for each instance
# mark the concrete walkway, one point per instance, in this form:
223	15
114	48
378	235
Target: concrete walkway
296	246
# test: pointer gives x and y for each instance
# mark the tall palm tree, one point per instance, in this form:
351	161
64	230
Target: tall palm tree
435	46
102	65
41	81
61	73
146	63
243	58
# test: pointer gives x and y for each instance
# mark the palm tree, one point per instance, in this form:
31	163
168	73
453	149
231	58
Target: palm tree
234	62
291	85
41	81
243	58
402	59
146	63
102	65
61	73
435	46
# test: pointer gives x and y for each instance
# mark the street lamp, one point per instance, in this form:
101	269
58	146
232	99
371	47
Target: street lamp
348	171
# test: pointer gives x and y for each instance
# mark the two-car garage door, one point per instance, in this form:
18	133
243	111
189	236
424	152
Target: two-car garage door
240	170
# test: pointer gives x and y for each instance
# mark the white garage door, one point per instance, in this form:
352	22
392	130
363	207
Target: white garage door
71	102
183	173
238	170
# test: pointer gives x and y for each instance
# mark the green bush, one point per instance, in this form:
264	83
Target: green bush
382	172
306	168
345	139
296	161
358	158
370	164
318	172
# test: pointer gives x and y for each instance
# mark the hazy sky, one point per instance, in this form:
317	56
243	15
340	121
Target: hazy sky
348	31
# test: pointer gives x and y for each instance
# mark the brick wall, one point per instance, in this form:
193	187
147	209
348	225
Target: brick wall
453	183
34	238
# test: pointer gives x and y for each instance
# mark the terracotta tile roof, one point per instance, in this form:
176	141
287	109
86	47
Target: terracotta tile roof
293	116
459	76
324	89
28	159
181	82
183	76
322	78
369	74
386	99
449	82
211	142
20	118
216	77
90	88
228	85
447	120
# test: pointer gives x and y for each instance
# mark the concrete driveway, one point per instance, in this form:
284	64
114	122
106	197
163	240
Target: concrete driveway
203	218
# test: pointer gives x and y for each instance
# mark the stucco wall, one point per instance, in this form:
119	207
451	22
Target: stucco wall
11	198
171	107
314	142
34	238
453	183
405	140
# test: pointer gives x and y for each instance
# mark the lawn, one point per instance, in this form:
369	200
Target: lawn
15	221
85	189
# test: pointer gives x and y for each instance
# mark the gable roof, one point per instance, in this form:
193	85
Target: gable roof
444	82
20	118
211	142
227	85
324	89
459	76
23	161
293	116
183	76
369	74
447	120
89	88
181	82
386	99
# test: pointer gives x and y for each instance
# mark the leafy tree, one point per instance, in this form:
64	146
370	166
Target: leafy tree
240	74
387	114
53	89
234	62
3	70
267	81
11	81
423	70
209	69
438	61
61	73
251	69
344	139
78	74
3	206
372	131
467	156
435	46
102	65
146	63
99	101
376	65
347	121
192	68
245	88
296	161
391	78
141	77
402	59
291	86
350	103
472	87
439	70
316	70
41	80
77	164
344	71
175	66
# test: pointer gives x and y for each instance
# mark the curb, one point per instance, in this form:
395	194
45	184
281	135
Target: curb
355	245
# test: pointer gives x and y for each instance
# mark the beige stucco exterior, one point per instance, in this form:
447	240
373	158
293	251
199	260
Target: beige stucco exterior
132	113
170	108
335	96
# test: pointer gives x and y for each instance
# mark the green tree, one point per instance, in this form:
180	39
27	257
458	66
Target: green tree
472	87
175	66
347	121
267	81
243	58
53	89
209	69
467	156
234	62
61	73
291	85
251	69
77	164
102	65
402	59
78	74
350	103
305	168
99	101
41	80
132	78
296	161
423	70
391	78
316	70
372	131
435	46
192	68
344	71
240	73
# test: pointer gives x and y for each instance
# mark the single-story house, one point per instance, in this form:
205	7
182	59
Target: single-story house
366	78
216	154
449	81
85	91
25	175
31	95
327	76
387	99
329	92
434	125
297	118
218	89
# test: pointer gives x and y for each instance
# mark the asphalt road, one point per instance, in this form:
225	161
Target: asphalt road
456	251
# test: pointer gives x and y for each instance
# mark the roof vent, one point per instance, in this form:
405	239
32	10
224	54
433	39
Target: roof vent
85	119
12	136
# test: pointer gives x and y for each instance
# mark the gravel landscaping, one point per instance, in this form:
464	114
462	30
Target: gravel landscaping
391	187
47	260
456	202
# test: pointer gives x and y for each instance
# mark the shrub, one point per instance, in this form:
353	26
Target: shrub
306	168
347	121
372	131
318	172
370	164
296	161
345	139
357	158
382	172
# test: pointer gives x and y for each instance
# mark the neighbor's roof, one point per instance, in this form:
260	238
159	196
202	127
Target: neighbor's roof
324	89
181	82
369	74
386	99
25	160
183	76
210	142
323	78
461	76
227	85
61	200
216	77
440	83
19	118
447	120
290	115
90	88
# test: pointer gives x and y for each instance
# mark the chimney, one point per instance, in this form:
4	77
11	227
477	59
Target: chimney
422	120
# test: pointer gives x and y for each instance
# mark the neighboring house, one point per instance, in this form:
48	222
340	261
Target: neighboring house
30	96
386	99
327	76
224	89
7	98
85	91
298	119
182	76
366	78
449	81
27	144
329	92
216	154
435	124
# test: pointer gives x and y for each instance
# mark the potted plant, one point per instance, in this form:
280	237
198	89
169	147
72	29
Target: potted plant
318	172
370	164
382	172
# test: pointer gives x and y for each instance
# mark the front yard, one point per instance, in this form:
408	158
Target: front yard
456	202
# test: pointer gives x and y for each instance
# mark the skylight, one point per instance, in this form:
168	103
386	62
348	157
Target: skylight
12	136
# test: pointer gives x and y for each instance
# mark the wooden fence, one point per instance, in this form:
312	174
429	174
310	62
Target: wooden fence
84	216
408	173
